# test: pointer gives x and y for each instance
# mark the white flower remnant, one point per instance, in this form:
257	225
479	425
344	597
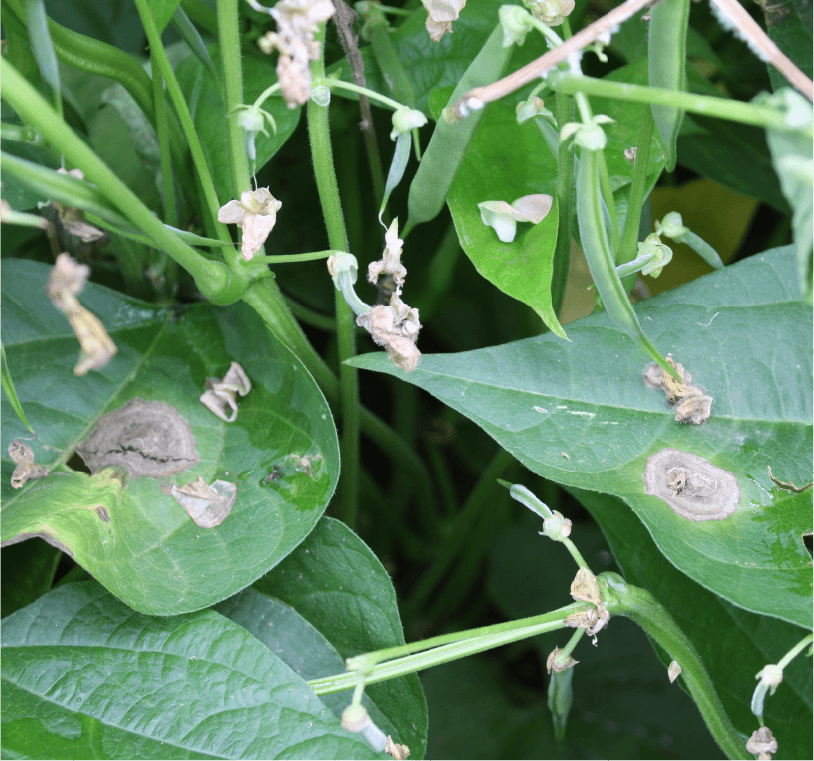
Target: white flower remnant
585	588
390	263
503	216
220	396
25	468
65	281
256	213
297	22
395	326
551	12
441	14
762	744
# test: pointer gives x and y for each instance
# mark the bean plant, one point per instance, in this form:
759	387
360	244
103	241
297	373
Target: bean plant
341	343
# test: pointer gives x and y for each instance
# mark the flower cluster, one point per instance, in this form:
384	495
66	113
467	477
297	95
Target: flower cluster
297	22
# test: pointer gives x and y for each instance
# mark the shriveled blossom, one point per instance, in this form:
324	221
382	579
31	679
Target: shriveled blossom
441	14
390	263
256	213
762	744
395	327
297	22
73	220
65	281
551	12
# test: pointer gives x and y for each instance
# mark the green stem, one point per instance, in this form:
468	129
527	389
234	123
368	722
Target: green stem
213	279
575	553
640	606
338	84
566	188
795	651
170	212
459	530
627	250
229	38
311	316
444	649
721	108
322	158
187	125
290	258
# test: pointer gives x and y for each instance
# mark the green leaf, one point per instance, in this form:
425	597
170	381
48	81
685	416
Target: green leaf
335	582
136	540
301	647
206	105
732	660
579	414
505	161
41	44
788	23
10	391
162	11
86	677
28	572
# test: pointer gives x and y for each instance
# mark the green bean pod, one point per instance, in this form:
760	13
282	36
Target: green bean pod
594	236
667	67
449	142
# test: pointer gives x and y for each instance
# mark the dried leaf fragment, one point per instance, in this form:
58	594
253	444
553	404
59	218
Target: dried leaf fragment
692	405
693	488
207	504
145	438
66	280
220	396
23	457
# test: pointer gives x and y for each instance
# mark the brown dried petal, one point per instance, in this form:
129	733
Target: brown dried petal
96	346
692	404
585	588
66	279
762	743
207	505
395	750
383	324
23	457
553	662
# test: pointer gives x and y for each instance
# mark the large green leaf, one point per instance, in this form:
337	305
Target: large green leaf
505	161
789	25
732	660
335	582
86	677
580	414
206	105
136	540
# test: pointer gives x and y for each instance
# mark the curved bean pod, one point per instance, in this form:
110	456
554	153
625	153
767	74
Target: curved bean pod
667	66
449	142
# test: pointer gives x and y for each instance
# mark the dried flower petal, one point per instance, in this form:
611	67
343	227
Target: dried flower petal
390	263
673	671
555	663
74	219
297	22
65	281
23	457
441	14
691	403
207	505
220	396
762	744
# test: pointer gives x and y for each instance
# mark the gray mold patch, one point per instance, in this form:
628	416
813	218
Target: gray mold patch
145	438
692	487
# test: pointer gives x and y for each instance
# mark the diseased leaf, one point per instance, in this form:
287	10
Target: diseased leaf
128	531
336	583
86	677
732	660
747	341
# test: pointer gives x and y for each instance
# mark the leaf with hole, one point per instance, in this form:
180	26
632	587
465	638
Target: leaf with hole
123	523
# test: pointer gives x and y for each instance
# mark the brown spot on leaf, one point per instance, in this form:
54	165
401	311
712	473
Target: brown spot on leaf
145	438
693	488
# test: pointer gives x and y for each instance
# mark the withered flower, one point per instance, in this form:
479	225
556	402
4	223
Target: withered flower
256	213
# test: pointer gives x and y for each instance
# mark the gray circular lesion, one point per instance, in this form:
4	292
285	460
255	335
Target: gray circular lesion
145	438
693	488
